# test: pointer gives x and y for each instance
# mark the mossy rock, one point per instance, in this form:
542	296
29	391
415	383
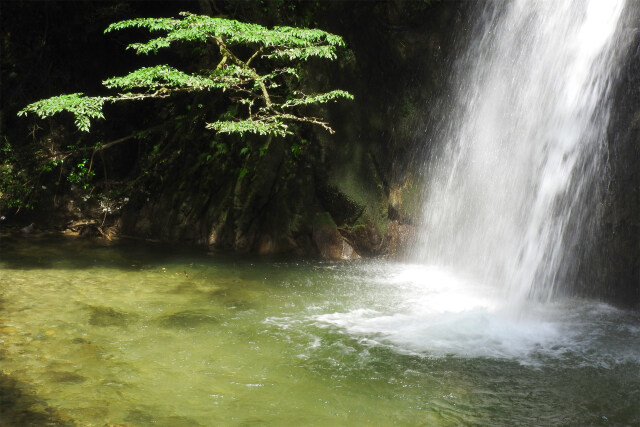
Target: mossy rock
323	219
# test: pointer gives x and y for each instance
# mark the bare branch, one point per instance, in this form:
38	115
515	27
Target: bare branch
226	52
257	52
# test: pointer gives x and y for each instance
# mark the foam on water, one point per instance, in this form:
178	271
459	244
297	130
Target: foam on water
440	314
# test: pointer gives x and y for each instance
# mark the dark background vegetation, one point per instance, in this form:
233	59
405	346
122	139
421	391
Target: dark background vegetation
395	64
170	179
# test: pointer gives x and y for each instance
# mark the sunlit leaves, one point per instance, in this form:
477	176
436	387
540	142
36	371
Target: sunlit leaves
280	42
270	126
82	107
153	78
309	36
260	99
318	99
304	53
232	74
152	24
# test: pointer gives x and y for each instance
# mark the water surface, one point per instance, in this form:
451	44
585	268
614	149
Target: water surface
137	334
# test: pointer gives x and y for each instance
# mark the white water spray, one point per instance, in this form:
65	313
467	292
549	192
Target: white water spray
512	193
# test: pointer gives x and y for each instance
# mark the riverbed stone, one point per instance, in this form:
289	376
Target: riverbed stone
67	377
107	316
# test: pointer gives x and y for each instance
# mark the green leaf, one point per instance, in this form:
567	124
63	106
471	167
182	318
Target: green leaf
318	99
82	107
161	76
152	24
300	43
270	126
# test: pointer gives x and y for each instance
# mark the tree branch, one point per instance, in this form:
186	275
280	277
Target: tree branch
313	120
254	55
125	138
226	52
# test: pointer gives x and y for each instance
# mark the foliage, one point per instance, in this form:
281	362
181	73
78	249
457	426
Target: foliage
24	171
82	107
15	183
82	174
267	105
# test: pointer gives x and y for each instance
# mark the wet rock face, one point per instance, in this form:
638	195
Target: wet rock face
622	222
612	269
364	238
398	237
267	245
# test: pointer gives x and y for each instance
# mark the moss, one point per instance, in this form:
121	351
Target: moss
323	219
342	208
406	200
367	193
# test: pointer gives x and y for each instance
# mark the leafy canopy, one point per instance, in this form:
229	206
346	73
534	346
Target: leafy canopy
266	109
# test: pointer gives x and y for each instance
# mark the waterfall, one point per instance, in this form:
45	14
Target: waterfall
514	179
511	198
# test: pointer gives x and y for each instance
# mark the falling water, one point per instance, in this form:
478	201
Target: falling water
512	192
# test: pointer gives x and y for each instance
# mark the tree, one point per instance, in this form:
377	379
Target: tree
267	103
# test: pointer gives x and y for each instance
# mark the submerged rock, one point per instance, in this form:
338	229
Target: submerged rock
67	377
28	229
107	316
145	417
187	319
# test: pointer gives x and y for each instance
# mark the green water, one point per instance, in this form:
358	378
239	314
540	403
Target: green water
146	335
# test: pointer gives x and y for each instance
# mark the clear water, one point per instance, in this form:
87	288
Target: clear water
138	335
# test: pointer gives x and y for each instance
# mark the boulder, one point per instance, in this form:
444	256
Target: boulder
331	244
364	238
